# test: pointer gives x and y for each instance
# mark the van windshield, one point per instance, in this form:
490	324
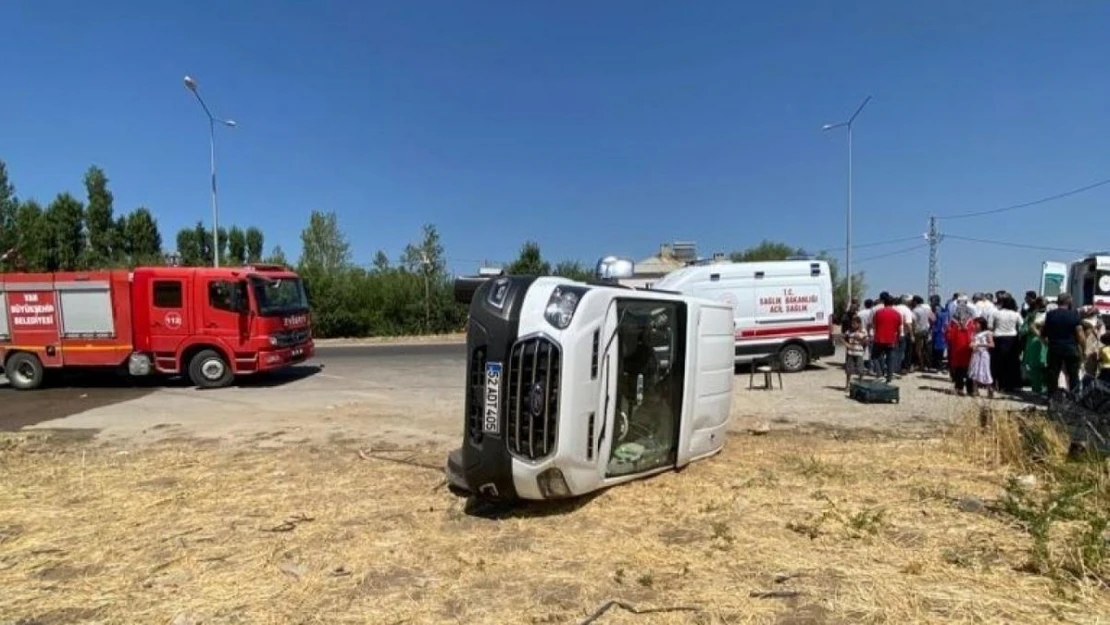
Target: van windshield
650	375
281	296
1053	284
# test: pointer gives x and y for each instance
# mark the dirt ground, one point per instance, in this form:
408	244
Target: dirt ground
820	510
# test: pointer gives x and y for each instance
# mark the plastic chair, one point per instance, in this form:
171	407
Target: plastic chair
770	367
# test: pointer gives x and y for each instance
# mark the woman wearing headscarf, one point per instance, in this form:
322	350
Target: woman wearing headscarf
1034	355
958	336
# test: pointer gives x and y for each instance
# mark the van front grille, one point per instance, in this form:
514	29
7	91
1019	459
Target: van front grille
533	410
476	387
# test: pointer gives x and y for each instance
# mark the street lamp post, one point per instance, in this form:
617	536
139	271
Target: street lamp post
848	235
191	85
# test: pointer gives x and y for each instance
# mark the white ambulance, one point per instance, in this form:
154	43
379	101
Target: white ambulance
780	307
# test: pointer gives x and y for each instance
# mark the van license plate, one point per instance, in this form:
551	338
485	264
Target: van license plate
298	351
491	421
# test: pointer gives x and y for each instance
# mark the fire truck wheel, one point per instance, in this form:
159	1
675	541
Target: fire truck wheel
24	371
208	369
794	358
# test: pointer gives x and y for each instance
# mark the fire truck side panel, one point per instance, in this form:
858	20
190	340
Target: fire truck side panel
32	317
95	315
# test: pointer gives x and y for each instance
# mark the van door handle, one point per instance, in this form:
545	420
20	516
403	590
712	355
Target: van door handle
212	325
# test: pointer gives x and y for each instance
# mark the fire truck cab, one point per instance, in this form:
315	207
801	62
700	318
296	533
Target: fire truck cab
211	324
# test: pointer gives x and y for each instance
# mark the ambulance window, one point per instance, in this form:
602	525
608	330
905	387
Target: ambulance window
167	294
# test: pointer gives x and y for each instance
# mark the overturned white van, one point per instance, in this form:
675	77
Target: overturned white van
573	387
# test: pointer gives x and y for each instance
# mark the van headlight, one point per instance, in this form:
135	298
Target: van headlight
274	341
560	308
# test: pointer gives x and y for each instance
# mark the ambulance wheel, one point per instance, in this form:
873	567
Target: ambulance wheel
794	358
25	371
208	369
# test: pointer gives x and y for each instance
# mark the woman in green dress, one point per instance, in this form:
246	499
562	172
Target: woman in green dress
1034	354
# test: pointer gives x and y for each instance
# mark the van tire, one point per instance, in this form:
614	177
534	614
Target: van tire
794	358
208	369
24	371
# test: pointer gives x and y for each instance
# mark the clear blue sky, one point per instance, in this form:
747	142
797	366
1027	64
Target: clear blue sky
593	127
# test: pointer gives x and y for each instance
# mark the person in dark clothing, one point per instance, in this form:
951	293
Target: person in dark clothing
1028	305
1063	334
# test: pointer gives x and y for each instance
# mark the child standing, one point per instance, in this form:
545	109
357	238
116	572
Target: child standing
979	370
855	340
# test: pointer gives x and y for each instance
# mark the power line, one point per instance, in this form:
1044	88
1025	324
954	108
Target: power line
1043	200
895	252
1017	245
916	237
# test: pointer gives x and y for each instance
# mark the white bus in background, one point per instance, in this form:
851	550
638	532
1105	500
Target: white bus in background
1054	277
780	307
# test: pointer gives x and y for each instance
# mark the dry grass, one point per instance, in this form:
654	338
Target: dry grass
847	529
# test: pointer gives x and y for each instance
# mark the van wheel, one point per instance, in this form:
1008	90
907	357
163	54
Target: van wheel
25	371
208	369
794	358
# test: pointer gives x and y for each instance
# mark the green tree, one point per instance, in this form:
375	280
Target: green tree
143	240
574	270
100	222
9	207
277	257
426	259
381	262
766	251
236	246
193	245
254	243
775	250
530	262
34	242
65	224
324	248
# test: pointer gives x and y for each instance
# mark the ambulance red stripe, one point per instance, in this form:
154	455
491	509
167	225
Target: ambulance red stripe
782	331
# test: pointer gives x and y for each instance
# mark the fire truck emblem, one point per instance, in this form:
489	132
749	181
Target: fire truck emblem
173	320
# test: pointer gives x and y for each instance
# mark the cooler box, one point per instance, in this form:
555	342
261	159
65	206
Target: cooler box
873	392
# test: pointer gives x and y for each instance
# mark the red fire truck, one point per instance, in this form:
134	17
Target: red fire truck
211	324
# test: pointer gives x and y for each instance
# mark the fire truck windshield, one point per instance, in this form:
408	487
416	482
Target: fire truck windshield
281	296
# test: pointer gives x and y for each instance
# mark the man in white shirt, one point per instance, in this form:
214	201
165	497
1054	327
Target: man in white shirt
984	306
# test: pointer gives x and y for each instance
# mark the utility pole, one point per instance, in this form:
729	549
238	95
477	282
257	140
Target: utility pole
934	237
427	292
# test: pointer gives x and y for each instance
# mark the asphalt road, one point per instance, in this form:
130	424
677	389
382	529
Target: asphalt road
336	373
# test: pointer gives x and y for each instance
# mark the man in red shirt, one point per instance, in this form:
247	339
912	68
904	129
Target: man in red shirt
887	329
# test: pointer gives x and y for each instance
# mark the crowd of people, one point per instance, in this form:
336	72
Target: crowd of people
986	342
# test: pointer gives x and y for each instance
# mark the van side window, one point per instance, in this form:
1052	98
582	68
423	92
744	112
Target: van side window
219	295
167	294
